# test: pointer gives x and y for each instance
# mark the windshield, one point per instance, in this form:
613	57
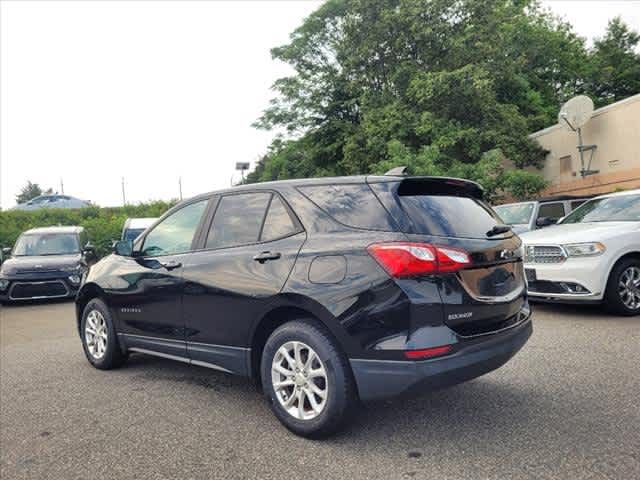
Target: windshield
46	244
516	213
609	209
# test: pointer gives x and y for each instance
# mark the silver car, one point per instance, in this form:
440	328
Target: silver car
527	216
52	201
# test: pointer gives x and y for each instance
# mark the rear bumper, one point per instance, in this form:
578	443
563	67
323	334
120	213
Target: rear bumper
381	379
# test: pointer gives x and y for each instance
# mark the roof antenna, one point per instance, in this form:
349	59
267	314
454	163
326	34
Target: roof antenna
397	172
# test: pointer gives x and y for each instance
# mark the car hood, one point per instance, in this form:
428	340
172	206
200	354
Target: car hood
39	263
578	232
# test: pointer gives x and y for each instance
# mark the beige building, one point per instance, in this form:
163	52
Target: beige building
615	130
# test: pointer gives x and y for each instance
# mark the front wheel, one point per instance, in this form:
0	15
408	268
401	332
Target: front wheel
307	379
99	338
622	295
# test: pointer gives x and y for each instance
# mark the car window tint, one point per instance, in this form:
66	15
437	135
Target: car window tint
552	210
278	223
175	233
352	205
448	215
576	203
238	220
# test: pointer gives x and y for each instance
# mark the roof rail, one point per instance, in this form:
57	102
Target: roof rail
397	171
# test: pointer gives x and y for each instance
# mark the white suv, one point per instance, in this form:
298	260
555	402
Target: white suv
593	255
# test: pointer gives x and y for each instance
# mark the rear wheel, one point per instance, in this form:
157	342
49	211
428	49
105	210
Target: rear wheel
307	379
622	295
99	338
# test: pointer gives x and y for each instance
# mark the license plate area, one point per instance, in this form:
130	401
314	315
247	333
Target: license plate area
530	274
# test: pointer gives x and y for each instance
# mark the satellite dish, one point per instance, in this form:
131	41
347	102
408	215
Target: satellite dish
576	112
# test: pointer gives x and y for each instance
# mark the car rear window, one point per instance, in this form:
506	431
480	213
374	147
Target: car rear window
354	205
436	209
448	216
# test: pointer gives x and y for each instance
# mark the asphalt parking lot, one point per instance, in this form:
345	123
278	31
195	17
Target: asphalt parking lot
568	406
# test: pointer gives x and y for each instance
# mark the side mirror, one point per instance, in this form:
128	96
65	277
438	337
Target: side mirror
546	221
123	248
89	250
6	251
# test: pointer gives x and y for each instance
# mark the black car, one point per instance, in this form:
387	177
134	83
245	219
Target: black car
45	263
327	291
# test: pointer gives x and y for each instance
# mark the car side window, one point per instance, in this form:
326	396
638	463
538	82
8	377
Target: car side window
576	203
238	220
278	222
551	210
175	233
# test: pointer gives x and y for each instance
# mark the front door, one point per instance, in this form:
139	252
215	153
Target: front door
250	249
149	308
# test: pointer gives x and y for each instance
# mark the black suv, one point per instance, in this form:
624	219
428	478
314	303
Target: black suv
328	291
45	263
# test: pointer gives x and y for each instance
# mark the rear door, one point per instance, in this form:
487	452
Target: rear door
246	257
493	288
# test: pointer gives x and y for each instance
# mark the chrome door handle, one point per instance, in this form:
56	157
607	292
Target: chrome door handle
265	256
171	264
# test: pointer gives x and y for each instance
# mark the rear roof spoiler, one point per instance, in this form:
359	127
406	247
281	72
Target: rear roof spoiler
440	186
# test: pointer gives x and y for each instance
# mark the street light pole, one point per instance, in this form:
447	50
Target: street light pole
242	166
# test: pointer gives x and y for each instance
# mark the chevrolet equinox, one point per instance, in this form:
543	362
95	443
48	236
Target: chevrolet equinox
327	291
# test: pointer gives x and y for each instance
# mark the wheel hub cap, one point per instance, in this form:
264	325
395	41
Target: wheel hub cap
299	380
95	333
629	288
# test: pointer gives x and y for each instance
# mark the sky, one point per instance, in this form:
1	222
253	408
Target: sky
154	91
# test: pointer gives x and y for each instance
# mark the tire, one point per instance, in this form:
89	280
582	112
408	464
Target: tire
614	300
111	356
340	395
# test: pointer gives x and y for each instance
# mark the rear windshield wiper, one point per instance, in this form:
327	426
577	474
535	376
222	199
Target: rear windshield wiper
498	229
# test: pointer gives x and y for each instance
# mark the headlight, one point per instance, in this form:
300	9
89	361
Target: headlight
4	283
584	249
71	268
75	279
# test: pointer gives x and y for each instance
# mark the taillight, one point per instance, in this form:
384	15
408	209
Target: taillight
427	352
408	259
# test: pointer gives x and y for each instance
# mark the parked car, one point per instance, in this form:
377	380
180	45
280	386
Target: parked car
52	201
526	216
135	226
45	263
592	255
326	290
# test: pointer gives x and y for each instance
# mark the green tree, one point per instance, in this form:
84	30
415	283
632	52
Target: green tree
615	64
443	86
30	191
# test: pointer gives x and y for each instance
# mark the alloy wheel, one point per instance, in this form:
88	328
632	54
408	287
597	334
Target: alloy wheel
629	287
299	379
95	332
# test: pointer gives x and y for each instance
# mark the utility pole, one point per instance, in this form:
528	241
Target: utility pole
61	186
124	198
180	186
